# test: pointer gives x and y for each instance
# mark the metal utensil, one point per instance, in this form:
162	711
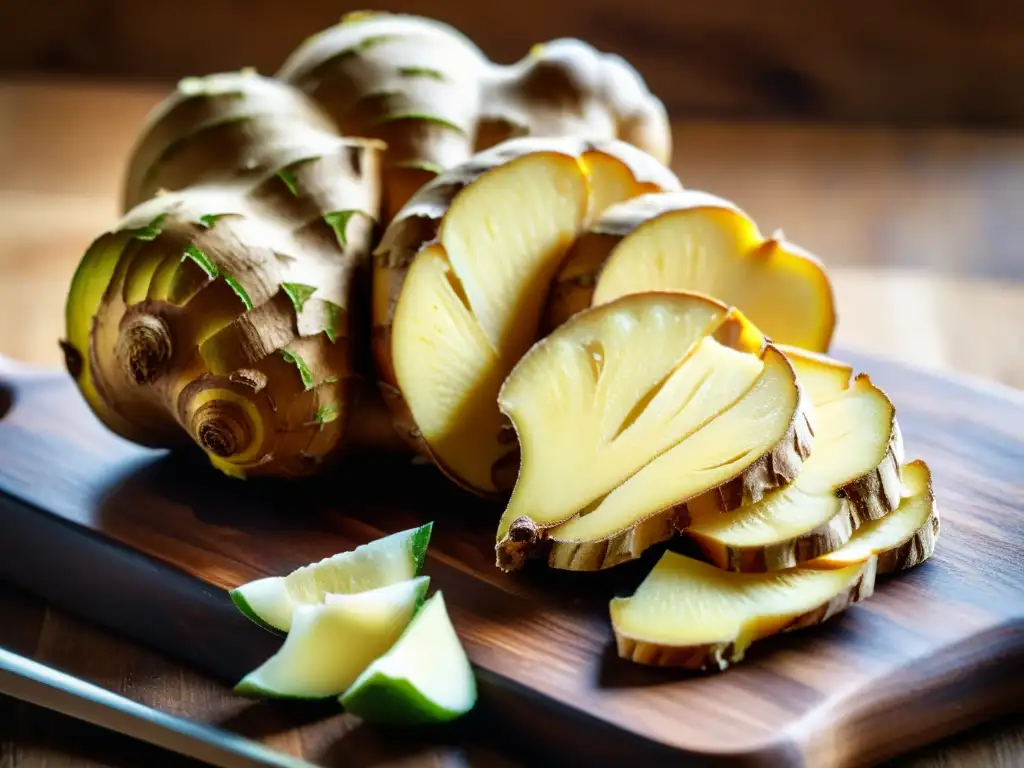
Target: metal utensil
44	686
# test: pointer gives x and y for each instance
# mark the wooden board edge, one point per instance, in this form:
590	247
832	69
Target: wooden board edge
164	603
927	691
167	605
75	561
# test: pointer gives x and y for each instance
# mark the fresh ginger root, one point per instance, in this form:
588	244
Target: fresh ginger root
231	305
435	98
224	306
460	284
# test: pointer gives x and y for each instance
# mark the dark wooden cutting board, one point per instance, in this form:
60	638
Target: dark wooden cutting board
146	544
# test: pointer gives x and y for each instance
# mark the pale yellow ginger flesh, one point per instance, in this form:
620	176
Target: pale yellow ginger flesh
821	377
915	517
854	432
737	413
619	171
644	403
693	241
467	264
573	401
471	304
691	614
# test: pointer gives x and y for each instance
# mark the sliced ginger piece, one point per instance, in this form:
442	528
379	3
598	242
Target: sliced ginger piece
693	615
634	409
461	281
619	171
821	377
464	314
694	241
851	477
902	539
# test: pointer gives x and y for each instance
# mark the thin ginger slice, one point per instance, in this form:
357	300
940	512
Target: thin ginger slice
646	403
821	377
901	539
851	477
690	614
694	241
464	315
693	615
460	284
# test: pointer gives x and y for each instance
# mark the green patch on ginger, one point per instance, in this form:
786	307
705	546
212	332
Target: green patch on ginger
420	165
333	319
208	220
327	413
296	360
151	231
339	223
289	181
202	260
238	289
214	86
433	74
287	175
192	86
366	44
299	294
211	270
353	17
395	117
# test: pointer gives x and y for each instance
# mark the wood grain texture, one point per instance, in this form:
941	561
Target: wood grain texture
317	733
934	651
908	61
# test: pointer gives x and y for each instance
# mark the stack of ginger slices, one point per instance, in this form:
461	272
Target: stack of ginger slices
659	372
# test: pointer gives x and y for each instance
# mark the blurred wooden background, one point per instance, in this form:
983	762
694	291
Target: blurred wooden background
896	61
922	230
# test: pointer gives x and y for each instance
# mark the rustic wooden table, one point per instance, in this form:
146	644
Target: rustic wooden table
923	231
